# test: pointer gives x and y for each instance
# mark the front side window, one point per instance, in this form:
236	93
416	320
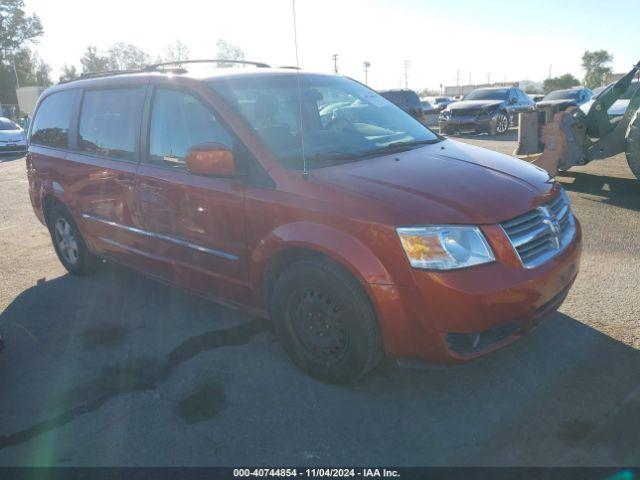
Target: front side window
53	118
180	121
330	119
109	122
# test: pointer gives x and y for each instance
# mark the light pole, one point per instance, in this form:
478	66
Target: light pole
407	64
335	62
366	65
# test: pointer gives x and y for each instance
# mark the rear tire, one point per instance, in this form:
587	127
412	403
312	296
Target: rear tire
325	321
501	126
632	149
70	247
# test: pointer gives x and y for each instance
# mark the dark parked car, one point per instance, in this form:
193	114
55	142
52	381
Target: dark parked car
490	110
357	238
439	103
563	99
407	100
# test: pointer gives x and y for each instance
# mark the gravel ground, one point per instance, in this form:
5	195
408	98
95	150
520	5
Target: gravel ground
115	369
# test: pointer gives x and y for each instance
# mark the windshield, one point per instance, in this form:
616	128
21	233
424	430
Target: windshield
488	94
6	124
331	119
562	95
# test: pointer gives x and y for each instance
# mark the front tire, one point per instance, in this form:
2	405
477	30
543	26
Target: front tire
632	149
502	124
325	321
69	244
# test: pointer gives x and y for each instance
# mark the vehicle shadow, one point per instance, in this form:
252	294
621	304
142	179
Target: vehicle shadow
9	158
566	394
618	191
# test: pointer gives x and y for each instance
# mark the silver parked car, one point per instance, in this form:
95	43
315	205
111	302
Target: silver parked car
12	137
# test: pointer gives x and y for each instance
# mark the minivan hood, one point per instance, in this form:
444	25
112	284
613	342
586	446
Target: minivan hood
474	104
444	183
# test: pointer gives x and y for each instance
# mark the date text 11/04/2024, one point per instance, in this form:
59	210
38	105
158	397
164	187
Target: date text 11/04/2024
316	472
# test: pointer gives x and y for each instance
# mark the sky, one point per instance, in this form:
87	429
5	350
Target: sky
446	41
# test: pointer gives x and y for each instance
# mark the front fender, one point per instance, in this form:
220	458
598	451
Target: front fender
347	250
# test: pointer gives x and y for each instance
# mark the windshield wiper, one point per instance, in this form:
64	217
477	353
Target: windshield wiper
412	144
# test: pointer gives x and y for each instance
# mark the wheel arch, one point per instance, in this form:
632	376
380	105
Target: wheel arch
298	240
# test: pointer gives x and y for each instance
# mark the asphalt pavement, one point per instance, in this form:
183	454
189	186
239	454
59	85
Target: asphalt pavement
115	369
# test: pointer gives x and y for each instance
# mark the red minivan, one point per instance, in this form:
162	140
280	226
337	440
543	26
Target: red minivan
307	198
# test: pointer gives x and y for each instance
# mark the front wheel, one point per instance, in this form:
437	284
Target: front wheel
632	149
325	321
502	124
69	244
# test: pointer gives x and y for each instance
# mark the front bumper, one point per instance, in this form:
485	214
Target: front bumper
438	319
20	147
464	123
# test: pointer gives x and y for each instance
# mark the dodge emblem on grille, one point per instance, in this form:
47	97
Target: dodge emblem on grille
551	221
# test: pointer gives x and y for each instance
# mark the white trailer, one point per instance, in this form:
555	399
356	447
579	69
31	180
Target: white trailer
27	98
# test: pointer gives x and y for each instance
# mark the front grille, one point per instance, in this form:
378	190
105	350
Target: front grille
465	112
540	234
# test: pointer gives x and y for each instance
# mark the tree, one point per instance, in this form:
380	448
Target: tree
17	31
228	51
16	28
31	69
596	67
428	92
175	52
530	89
124	56
559	83
93	62
68	73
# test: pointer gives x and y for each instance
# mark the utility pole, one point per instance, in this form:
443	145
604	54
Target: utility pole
335	62
488	79
457	77
550	70
407	64
15	71
366	66
469	78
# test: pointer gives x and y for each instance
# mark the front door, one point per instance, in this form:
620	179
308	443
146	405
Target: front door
195	224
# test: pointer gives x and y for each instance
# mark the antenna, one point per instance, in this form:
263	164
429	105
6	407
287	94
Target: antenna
305	173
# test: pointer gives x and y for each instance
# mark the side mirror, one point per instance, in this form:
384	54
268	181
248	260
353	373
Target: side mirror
211	159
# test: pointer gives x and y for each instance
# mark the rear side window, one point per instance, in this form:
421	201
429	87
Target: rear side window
53	118
109	122
180	121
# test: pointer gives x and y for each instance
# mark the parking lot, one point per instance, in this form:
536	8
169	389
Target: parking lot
115	369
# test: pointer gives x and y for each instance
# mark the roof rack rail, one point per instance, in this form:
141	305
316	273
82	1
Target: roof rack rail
103	73
158	66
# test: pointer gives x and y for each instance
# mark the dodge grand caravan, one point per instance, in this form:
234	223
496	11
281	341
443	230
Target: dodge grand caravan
355	228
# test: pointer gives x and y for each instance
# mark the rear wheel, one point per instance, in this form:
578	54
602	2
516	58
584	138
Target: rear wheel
632	149
325	321
69	244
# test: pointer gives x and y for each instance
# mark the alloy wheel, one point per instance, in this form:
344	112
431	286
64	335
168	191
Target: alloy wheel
66	241
502	123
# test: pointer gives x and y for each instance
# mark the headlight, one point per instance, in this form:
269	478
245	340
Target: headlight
445	247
